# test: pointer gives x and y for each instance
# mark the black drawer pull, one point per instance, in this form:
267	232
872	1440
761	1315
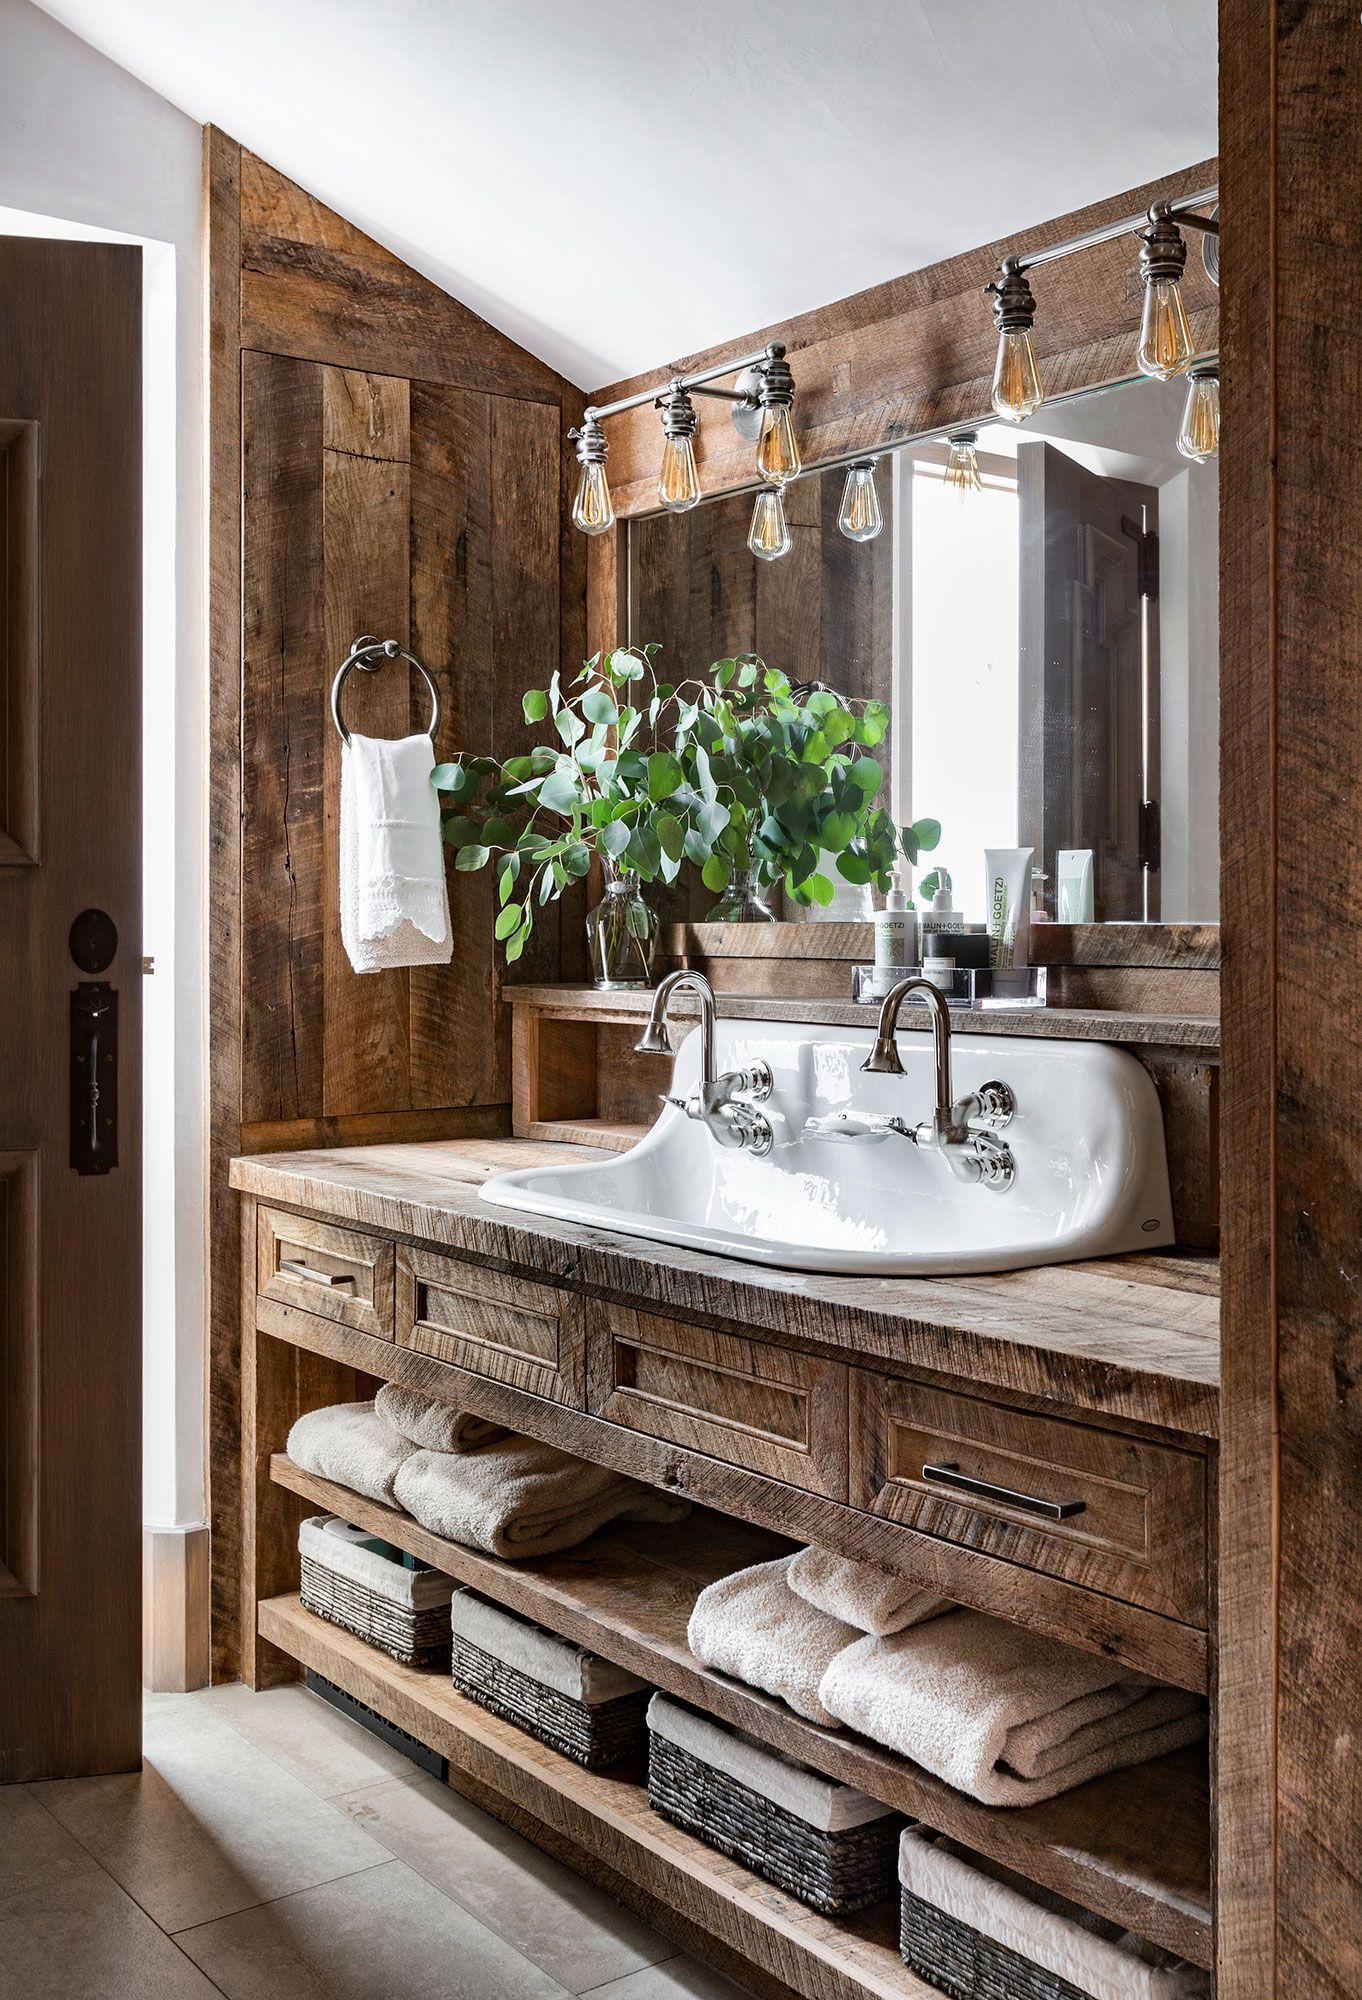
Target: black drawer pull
983	1489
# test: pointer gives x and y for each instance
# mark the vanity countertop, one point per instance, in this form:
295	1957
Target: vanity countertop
1135	1337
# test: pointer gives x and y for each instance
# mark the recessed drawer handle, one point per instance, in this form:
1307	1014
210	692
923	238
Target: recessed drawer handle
339	1281
984	1489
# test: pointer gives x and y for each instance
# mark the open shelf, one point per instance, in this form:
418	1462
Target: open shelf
606	1815
612	1135
1134	1846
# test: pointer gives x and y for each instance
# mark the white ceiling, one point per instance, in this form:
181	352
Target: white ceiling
620	183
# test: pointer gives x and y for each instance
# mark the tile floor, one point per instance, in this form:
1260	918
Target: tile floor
272	1850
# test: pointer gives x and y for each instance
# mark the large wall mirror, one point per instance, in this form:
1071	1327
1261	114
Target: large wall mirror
1048	641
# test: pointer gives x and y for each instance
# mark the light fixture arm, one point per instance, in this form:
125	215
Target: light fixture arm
764	358
1179	211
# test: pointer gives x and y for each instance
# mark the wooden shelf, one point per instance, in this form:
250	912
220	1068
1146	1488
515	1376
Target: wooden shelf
605	1815
610	1134
1134	1847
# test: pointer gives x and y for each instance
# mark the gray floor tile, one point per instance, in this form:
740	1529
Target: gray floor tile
386	1934
83	1936
679	1979
210	1825
325	1750
579	1935
36	1851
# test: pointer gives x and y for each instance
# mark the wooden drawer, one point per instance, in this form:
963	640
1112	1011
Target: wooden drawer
493	1323
1116	1514
320	1268
768	1409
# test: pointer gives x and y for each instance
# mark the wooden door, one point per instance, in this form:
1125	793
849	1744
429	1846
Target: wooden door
1089	676
70	1191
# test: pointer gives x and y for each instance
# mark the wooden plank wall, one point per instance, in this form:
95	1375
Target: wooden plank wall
1289	1777
381	461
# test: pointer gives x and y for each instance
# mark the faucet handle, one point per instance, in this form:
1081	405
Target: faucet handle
997	1106
754	1081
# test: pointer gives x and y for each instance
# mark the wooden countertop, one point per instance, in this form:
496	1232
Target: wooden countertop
1135	1337
1099	1024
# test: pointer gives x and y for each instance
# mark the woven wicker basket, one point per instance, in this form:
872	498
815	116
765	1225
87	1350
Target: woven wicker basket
966	1965
596	1734
416	1638
831	1872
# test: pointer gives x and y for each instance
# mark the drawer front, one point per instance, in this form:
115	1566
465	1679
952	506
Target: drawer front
1116	1514
765	1408
493	1323
320	1268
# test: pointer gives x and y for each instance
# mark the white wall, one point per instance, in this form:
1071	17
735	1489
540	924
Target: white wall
1189	691
83	144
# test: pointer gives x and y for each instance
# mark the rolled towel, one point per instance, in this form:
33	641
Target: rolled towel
431	1425
871	1599
351	1444
822	1803
1091	1953
517	1498
753	1626
1001	1713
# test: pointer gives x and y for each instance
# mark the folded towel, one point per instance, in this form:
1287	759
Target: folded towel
433	1426
517	1498
753	1626
1093	1954
360	1558
350	1443
822	1803
871	1599
1003	1714
394	897
545	1656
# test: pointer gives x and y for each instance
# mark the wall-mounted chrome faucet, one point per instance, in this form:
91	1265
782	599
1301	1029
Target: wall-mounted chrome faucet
716	1102
961	1129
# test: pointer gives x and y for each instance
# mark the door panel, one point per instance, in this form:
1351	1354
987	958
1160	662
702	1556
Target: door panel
70	806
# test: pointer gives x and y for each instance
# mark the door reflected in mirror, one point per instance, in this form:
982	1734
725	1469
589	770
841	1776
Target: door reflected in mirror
1048	639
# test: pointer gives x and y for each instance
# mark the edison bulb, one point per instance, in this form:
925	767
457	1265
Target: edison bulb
1199	435
1165	339
1017	393
769	535
592	510
678	484
859	517
777	452
962	469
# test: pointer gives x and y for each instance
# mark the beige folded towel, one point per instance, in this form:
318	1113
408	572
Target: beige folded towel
545	1656
433	1426
871	1599
1001	1713
1090	1952
350	1443
517	1498
753	1626
822	1803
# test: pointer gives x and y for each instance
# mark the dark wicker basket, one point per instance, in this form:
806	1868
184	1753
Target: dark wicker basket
833	1873
415	1638
594	1734
966	1965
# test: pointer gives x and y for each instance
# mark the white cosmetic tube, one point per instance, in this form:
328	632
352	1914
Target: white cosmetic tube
1075	899
1007	906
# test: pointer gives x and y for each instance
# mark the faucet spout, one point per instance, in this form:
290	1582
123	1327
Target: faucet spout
884	1059
961	1131
717	1100
656	1041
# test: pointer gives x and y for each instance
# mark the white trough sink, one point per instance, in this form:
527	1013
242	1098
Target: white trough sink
1087	1140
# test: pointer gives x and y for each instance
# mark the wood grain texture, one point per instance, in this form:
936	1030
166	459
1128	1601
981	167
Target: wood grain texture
313	1265
1134	1846
1095	1343
1160	1646
501	1324
607	1814
916	355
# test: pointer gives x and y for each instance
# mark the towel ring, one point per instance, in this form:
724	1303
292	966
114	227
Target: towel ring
368	654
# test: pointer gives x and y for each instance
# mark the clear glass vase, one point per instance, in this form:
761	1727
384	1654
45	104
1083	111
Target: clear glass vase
621	932
743	901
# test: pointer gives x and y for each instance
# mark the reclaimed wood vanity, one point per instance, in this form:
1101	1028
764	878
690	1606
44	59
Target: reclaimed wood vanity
1082	1399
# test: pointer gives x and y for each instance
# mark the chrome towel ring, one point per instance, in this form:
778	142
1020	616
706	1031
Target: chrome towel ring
368	654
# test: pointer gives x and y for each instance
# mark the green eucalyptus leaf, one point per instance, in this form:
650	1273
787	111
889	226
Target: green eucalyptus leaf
670	835
866	775
577	860
837	831
714	875
558	792
570	726
469	859
664	775
821	889
534	705
614	838
598	707
696	847
462	832
508	920
853	867
516	946
927	833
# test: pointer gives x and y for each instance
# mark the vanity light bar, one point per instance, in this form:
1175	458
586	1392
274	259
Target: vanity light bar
761	400
1165	348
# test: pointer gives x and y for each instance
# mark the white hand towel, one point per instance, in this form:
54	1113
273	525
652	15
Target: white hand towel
433	1426
1001	1713
871	1599
517	1498
394	897
753	1626
1093	1954
351	1444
